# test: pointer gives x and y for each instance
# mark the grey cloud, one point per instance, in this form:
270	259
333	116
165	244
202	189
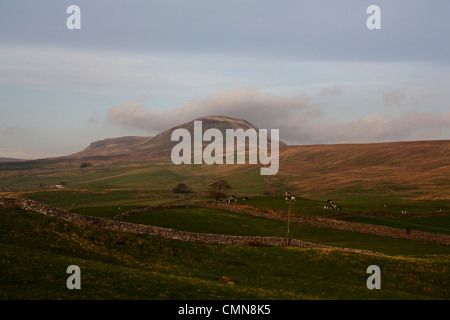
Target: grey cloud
299	121
296	117
263	110
318	29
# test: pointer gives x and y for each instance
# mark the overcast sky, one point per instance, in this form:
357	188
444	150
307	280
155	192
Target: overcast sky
310	68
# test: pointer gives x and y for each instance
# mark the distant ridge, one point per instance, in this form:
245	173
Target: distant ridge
121	146
419	168
2	159
408	169
159	146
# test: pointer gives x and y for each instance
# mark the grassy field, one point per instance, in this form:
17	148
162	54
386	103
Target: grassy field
79	197
108	203
206	220
438	224
36	250
373	173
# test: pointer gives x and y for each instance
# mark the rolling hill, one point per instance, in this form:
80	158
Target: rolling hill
128	174
160	146
417	170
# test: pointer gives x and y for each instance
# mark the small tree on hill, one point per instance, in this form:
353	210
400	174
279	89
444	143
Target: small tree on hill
181	188
216	189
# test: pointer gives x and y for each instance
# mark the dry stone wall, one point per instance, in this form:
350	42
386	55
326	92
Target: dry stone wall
327	222
126	227
324	222
281	215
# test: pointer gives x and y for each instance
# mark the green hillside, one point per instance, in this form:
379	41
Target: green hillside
36	250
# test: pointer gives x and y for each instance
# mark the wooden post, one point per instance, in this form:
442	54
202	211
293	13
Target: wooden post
289	220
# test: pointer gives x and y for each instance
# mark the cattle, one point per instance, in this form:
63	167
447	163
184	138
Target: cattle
245	199
287	194
404	211
329	201
385	205
290	199
438	210
332	207
219	200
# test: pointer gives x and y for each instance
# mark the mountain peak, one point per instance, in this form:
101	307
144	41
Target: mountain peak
223	121
160	146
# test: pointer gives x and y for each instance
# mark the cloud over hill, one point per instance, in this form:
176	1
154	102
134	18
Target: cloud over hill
299	118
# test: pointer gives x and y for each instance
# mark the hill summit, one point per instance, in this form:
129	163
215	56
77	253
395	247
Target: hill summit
159	146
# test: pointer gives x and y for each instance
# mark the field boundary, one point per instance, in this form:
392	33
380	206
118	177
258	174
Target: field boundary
325	222
126	227
328	222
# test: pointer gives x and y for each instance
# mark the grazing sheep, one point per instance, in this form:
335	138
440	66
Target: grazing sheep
245	199
438	210
329	201
404	211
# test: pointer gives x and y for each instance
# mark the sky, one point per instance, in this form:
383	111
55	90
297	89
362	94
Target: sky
310	68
